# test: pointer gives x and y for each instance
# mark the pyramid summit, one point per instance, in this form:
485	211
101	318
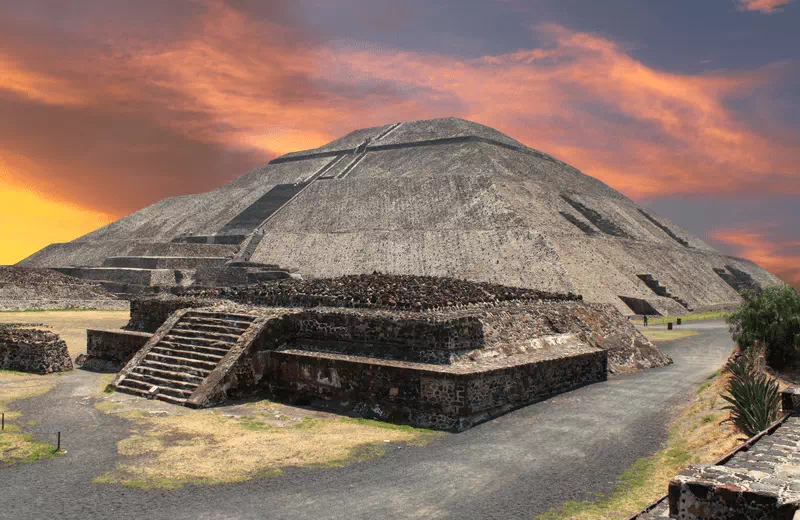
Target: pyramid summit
441	197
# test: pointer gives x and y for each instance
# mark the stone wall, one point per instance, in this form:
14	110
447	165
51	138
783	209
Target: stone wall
412	393
109	350
62	304
34	350
148	313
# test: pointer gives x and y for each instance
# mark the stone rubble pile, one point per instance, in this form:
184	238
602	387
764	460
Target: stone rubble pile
28	349
378	290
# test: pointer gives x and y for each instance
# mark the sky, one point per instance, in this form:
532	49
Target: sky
687	107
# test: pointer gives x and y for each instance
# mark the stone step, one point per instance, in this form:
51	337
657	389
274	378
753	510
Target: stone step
221	315
171	399
138	384
194	348
143	387
165	262
186	332
163	350
162	382
194	364
202	342
121	387
192	320
174	392
219	329
179	372
129	275
211	239
169	375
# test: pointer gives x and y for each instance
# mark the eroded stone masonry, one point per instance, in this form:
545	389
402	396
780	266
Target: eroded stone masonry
29	349
351	344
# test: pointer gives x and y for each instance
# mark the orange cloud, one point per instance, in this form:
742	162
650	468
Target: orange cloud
764	6
583	98
127	120
777	255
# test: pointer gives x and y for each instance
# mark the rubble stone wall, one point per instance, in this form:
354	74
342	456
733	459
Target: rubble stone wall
32	350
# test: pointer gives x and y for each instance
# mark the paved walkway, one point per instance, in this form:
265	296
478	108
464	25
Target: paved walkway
567	448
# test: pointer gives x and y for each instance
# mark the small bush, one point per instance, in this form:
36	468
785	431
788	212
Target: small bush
771	318
754	397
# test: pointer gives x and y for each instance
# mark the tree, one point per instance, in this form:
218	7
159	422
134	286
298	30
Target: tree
770	317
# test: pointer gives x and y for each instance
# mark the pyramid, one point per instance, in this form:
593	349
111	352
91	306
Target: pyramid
441	197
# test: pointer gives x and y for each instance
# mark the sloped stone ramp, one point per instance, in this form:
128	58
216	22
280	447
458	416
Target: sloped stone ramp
186	360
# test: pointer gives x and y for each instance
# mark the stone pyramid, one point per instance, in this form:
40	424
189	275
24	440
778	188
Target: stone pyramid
444	197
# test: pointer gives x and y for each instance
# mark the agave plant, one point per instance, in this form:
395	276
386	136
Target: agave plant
754	397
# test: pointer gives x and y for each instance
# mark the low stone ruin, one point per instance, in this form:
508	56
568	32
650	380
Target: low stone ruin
29	349
466	352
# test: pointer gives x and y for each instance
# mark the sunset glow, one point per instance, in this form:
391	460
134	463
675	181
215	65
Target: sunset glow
99	120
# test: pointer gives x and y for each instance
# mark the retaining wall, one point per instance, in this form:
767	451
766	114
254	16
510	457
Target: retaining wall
110	350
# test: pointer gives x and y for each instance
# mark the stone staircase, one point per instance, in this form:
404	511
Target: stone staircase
660	290
183	353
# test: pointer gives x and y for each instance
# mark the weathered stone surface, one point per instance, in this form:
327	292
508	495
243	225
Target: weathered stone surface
109	350
381	291
757	483
443	197
446	368
30	288
29	349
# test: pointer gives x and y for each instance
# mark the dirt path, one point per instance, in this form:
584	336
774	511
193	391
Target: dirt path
522	464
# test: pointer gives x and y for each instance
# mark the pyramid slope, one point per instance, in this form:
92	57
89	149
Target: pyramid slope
444	197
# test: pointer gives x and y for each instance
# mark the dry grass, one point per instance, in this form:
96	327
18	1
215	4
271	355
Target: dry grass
696	435
667	335
206	447
16	446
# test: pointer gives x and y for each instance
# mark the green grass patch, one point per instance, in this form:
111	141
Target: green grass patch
697	316
253	424
16	446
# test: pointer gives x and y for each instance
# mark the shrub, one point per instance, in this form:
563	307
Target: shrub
772	318
754	397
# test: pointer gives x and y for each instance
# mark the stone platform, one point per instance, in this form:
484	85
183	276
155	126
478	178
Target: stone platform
441	368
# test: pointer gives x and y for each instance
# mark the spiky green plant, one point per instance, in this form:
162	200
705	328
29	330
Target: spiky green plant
754	397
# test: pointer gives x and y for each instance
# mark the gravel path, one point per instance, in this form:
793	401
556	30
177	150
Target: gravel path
522	464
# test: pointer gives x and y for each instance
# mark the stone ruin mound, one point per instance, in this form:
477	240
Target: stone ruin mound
26	348
465	352
380	291
23	288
